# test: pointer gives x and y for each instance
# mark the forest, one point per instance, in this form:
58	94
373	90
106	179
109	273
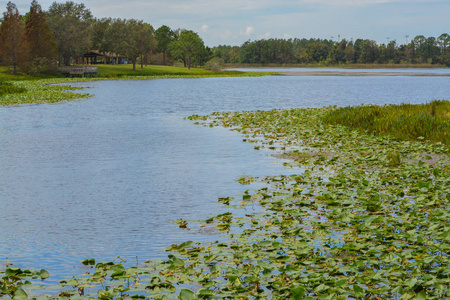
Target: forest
38	41
420	50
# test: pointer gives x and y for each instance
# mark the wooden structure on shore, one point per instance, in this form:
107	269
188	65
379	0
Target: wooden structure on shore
97	57
78	71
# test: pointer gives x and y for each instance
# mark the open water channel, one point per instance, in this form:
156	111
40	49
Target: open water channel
105	176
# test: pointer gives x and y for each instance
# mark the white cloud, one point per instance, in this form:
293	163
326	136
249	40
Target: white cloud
249	30
204	28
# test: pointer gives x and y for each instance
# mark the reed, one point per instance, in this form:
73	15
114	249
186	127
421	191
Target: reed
430	121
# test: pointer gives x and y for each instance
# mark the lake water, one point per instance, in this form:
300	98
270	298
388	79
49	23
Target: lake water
105	176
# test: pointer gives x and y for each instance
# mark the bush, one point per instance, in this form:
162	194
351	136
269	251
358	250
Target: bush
215	64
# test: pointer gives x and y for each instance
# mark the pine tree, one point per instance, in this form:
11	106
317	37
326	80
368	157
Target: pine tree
38	48
10	35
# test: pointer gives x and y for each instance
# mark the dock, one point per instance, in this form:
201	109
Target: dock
78	71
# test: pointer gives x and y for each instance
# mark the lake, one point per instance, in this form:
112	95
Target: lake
106	176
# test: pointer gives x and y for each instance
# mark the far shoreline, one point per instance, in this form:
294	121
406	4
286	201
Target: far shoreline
362	73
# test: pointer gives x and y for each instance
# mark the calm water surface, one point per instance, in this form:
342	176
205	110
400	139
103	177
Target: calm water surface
105	176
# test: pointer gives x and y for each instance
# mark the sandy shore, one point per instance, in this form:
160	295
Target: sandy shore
343	73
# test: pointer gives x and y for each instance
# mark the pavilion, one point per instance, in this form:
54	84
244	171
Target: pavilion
97	57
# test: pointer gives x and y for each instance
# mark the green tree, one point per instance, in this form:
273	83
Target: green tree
137	39
369	52
391	52
337	53
431	50
101	38
116	34
38	46
349	53
72	26
147	41
11	30
189	46
317	51
164	36
443	42
419	50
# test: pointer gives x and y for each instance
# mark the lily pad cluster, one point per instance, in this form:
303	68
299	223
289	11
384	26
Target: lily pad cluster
366	217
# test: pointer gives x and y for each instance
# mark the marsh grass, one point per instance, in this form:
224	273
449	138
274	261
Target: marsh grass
429	121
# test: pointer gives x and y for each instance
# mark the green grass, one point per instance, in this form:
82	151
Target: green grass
153	70
429	121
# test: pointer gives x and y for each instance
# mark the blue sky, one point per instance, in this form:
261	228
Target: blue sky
233	22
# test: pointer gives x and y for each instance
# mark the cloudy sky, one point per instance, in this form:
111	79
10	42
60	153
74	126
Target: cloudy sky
233	22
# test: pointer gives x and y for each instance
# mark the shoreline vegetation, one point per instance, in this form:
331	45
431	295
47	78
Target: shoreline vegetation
365	217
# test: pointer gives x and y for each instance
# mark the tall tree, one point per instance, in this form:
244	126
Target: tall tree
132	38
164	36
11	30
72	25
147	41
101	39
189	46
443	42
38	47
116	34
419	50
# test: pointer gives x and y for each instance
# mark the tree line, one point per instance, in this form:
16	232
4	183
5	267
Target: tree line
421	49
39	41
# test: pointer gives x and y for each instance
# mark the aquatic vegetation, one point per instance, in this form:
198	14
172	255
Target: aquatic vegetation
8	88
365	217
429	121
39	91
14	281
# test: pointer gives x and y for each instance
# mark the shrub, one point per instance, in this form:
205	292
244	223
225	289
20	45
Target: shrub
215	64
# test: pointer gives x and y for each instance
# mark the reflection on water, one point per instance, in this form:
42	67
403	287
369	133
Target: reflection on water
105	176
